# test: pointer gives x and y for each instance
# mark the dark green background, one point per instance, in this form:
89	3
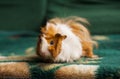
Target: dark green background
104	15
22	14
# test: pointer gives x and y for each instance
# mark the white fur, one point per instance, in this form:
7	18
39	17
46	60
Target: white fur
44	48
71	46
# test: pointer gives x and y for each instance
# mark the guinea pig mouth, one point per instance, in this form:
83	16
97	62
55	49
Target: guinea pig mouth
42	54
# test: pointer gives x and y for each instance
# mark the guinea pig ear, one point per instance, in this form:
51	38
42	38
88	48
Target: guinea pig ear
59	35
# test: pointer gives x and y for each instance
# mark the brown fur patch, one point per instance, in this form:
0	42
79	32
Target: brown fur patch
49	31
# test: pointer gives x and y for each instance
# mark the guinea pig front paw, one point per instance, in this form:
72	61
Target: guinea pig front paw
63	60
69	61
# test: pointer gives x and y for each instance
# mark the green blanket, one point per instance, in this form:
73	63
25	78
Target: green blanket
17	60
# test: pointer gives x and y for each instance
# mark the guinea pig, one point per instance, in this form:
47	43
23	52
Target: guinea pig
65	40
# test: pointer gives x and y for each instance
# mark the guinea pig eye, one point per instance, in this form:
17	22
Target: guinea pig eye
51	42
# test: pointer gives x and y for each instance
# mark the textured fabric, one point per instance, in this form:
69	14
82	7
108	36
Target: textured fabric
104	15
17	61
22	14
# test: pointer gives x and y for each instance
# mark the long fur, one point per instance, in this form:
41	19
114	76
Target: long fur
77	43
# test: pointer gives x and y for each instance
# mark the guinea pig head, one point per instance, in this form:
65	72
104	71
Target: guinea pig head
55	44
50	47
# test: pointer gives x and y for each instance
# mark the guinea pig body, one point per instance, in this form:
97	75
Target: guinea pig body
65	40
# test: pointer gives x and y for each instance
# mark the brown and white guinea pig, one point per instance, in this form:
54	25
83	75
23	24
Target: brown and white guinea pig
65	40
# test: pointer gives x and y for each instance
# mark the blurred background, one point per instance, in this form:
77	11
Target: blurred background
20	20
